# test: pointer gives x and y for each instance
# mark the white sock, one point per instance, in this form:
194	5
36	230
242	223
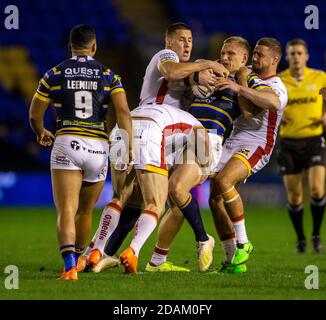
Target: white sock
229	247
144	228
159	256
108	222
91	245
240	231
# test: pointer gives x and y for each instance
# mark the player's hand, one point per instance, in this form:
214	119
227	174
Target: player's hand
131	161
130	166
323	120
208	78
45	138
219	69
242	74
222	84
322	91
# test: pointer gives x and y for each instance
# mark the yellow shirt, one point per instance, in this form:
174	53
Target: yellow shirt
304	103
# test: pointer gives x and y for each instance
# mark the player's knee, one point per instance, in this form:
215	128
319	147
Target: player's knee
317	192
295	199
84	212
176	192
156	208
66	212
223	183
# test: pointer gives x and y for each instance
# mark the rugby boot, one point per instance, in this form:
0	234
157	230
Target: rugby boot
106	262
165	267
69	275
205	253
317	245
242	253
81	263
129	260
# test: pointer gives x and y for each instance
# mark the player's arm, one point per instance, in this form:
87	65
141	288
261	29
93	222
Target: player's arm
266	99
322	91
39	104
123	117
36	116
324	110
172	70
205	77
247	108
322	120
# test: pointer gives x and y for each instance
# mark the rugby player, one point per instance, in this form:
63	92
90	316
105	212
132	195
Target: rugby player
217	114
162	85
302	144
248	149
154	125
80	89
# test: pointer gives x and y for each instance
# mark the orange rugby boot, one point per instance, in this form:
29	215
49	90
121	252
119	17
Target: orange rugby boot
81	263
129	260
94	257
69	275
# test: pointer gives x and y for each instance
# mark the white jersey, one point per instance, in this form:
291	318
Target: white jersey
253	140
155	87
167	116
262	127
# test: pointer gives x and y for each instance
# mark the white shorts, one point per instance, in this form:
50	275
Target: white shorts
77	153
251	153
119	150
148	147
215	152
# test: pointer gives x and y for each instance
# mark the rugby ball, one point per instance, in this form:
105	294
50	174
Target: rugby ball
201	91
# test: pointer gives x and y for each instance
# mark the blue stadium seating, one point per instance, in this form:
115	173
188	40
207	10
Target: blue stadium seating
38	32
47	46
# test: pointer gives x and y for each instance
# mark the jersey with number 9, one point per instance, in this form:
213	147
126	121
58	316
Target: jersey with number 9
80	89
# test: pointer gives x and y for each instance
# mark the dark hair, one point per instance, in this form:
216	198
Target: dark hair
81	35
240	41
295	42
272	43
176	26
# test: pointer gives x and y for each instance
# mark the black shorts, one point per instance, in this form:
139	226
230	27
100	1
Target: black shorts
295	155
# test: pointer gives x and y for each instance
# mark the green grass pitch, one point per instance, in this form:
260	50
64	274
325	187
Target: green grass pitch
275	271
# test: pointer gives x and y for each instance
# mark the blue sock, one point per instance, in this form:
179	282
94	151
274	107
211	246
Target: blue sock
68	255
78	252
191	212
128	218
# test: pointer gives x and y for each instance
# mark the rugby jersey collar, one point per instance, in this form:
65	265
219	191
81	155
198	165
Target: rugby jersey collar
88	58
272	76
306	71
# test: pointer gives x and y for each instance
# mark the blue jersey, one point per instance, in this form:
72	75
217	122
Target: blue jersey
80	90
218	112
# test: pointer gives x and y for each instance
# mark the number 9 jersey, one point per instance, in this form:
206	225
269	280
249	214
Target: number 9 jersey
80	90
